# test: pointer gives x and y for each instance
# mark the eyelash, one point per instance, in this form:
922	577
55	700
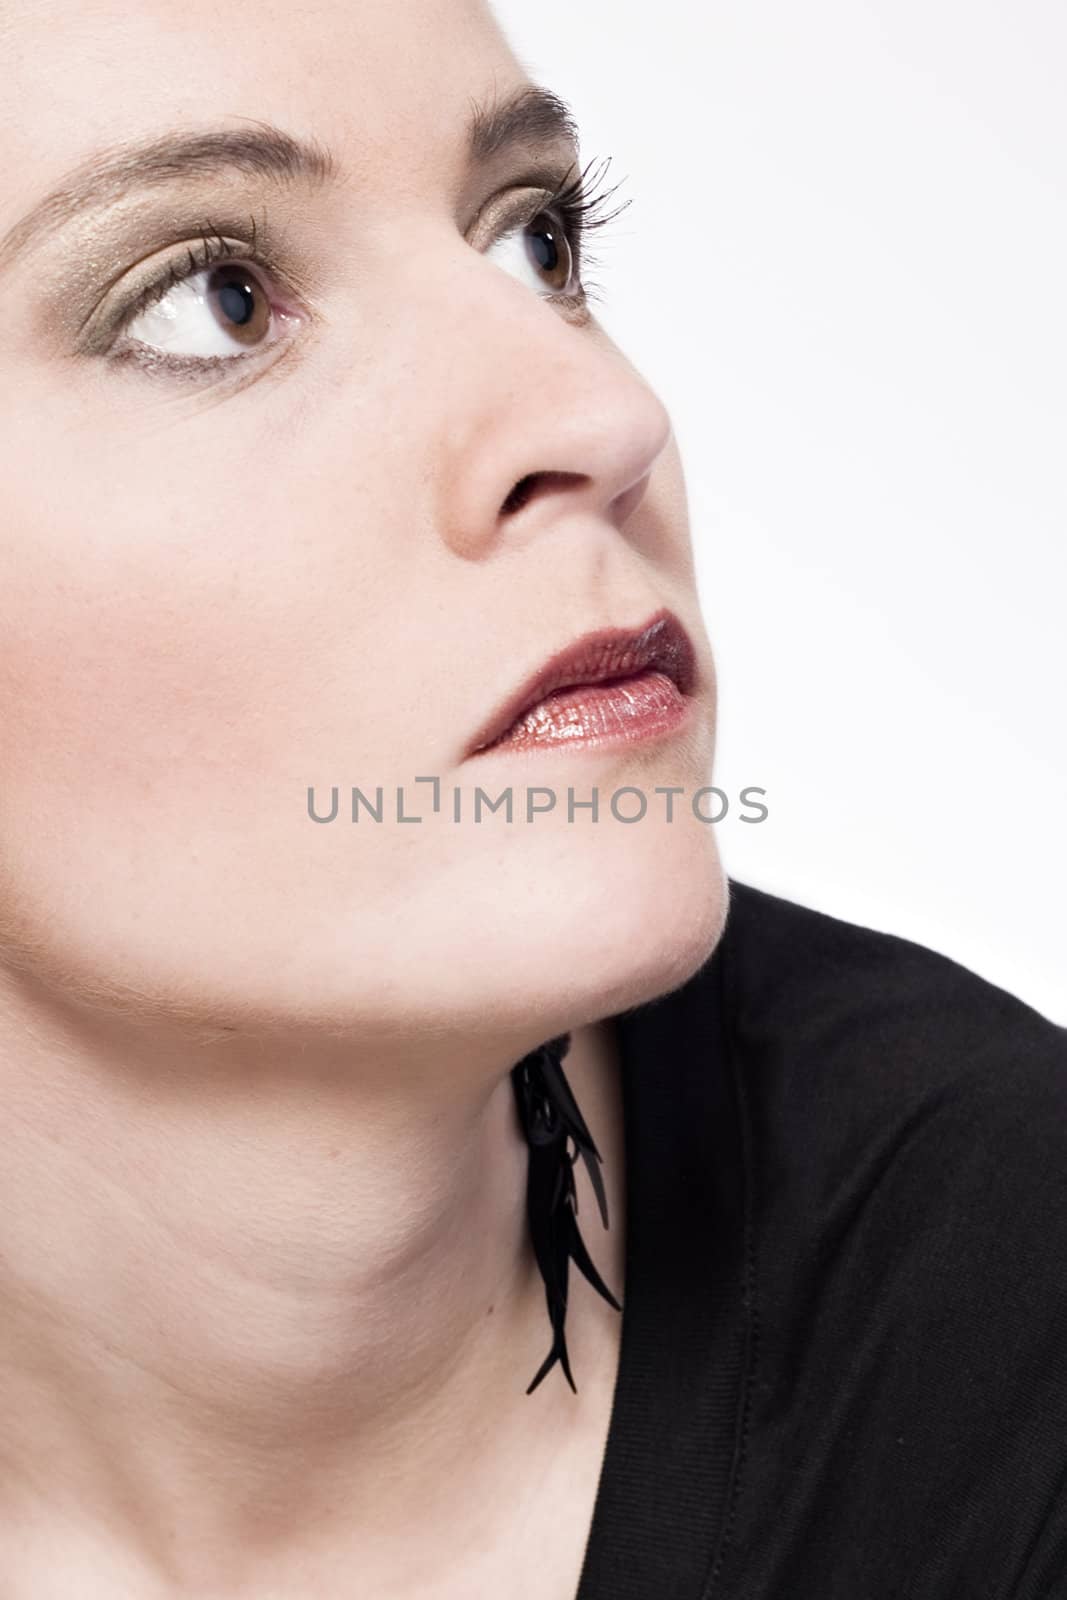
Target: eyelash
580	203
581	206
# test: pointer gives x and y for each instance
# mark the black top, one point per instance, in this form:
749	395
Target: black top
843	1370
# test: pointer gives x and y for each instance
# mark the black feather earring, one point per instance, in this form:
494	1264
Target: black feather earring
549	1116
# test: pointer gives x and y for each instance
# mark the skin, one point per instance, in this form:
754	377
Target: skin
269	1309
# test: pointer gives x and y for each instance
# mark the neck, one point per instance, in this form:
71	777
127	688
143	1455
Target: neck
258	1304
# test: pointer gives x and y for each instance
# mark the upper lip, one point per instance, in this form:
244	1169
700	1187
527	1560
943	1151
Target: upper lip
660	644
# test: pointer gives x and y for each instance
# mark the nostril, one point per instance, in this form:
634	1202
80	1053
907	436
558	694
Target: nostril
526	487
519	495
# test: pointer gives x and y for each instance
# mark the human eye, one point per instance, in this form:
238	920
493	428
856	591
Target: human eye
209	307
545	247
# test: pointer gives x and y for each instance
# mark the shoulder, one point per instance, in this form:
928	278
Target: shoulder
827	1004
906	1122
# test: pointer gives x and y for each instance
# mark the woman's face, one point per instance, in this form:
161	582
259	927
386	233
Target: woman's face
257	534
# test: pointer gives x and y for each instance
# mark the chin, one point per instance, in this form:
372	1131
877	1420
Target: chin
592	928
649	928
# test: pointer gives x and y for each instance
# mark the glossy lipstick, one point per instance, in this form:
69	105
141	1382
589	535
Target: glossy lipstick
614	686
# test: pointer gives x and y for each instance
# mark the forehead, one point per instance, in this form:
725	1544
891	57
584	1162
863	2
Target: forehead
366	76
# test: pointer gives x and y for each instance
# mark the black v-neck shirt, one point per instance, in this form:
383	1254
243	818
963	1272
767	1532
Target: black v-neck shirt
843	1368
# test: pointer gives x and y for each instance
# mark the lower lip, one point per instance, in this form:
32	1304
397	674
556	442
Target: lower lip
633	710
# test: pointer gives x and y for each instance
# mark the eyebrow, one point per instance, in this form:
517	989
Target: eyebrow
533	115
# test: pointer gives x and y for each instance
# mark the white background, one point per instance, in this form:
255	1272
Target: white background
845	271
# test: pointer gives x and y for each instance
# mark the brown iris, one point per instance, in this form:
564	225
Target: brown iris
238	301
550	248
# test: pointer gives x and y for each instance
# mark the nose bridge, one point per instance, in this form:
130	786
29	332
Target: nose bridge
535	404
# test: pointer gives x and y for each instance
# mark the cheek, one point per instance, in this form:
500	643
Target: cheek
175	670
115	674
166	698
670	510
168	631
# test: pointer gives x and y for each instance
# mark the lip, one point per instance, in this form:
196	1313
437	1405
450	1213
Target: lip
661	644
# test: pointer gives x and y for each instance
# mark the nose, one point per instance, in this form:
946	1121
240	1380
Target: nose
545	418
